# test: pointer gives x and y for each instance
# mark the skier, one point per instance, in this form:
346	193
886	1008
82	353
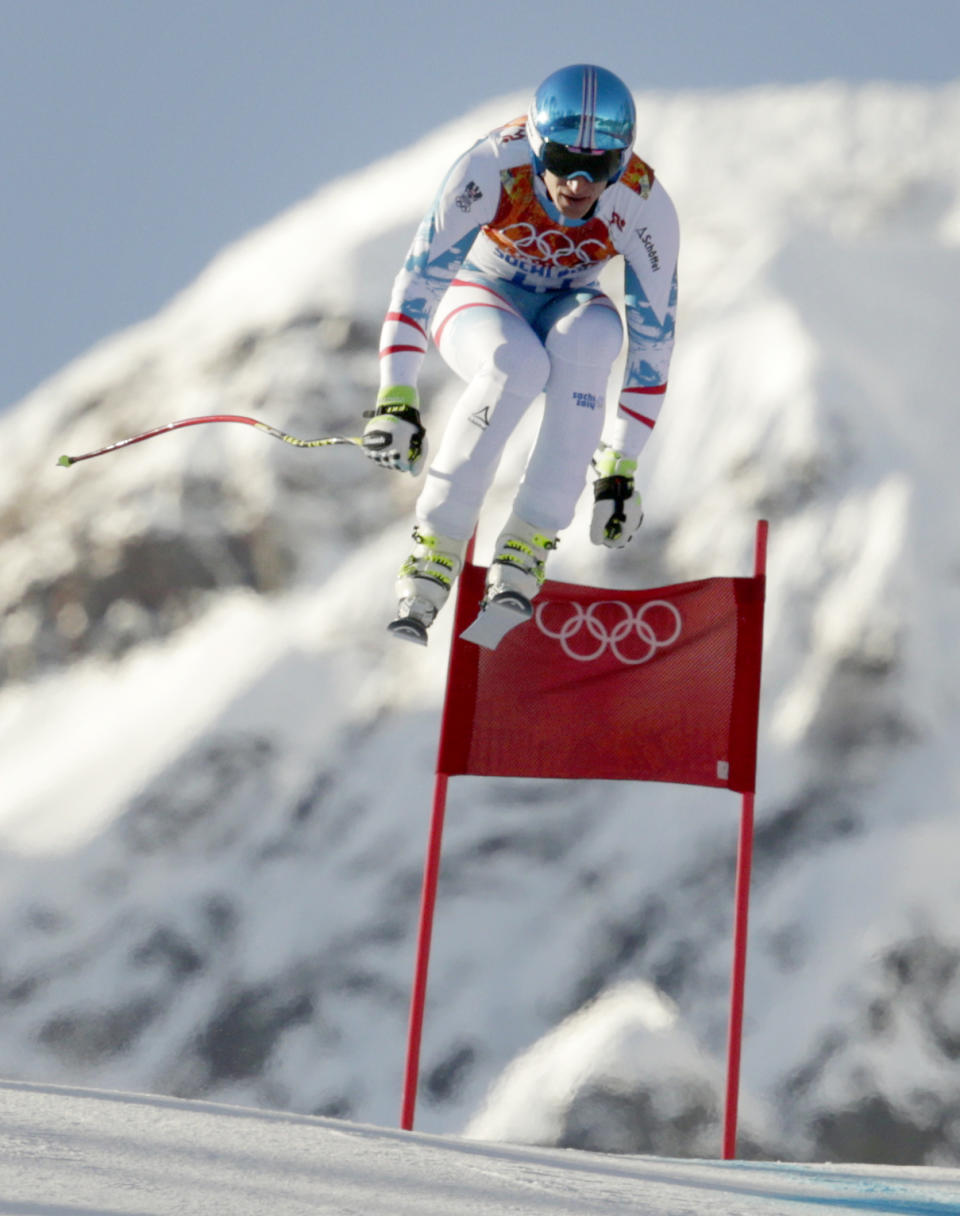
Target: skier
502	274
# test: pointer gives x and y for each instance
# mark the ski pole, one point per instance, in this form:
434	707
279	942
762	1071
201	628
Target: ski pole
371	442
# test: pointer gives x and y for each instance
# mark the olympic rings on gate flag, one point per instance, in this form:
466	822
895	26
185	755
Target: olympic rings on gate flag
598	634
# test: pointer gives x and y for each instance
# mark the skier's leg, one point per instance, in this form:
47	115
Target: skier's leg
583	338
491	346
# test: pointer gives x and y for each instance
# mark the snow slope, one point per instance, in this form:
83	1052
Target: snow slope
73	1151
217	768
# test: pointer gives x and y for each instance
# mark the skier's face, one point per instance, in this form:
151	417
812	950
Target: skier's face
573	196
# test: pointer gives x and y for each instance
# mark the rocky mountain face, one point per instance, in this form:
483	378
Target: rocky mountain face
218	767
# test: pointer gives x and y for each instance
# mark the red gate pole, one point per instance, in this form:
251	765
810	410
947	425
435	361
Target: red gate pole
741	917
428	901
742	903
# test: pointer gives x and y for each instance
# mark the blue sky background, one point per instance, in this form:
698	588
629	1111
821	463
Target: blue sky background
138	137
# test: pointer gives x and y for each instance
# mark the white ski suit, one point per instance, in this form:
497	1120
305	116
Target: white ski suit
507	288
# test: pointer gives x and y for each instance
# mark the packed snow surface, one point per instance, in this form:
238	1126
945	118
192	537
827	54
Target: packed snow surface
76	1151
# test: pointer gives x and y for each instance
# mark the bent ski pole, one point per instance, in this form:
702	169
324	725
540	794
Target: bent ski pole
370	441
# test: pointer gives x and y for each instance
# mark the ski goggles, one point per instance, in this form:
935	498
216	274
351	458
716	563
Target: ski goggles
570	162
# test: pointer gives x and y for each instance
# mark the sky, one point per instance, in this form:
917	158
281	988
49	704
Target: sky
139	137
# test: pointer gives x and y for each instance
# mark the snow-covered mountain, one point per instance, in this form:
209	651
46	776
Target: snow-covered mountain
217	767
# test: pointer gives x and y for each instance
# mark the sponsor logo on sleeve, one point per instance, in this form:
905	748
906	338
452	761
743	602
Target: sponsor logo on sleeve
470	195
646	240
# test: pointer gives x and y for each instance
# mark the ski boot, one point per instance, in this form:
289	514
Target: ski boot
518	567
424	582
515	576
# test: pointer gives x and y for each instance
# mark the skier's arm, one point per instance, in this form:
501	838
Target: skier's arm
467	199
650	296
649	351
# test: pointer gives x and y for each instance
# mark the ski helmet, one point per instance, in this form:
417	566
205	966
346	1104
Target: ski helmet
582	122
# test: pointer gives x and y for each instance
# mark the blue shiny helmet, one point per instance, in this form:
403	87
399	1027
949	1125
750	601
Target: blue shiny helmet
586	109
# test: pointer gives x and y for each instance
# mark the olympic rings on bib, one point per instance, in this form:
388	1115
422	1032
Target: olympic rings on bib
553	246
599	635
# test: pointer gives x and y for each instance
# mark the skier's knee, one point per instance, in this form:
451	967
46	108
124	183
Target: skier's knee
521	367
592	336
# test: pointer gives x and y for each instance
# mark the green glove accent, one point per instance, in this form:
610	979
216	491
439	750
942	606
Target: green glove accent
398	396
609	463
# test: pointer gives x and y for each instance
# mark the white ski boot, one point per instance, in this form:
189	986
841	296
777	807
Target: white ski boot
515	576
518	567
424	583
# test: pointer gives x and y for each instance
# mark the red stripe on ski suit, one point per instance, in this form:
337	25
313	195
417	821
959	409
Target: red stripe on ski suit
402	316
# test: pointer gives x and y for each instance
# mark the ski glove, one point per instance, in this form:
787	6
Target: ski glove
394	437
617	508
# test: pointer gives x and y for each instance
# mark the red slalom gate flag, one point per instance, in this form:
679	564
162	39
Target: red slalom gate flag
655	685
